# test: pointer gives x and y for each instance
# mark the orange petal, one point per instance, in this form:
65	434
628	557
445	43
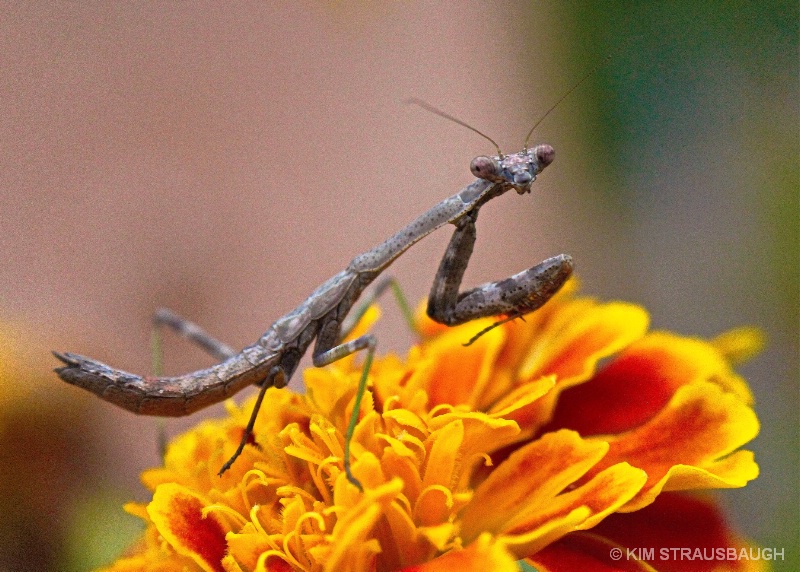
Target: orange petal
405	468
482	555
151	553
351	534
327	389
640	382
699	427
460	374
529	479
426	327
434	506
247	546
482	434
403	544
524	405
273	563
177	514
606	492
405	419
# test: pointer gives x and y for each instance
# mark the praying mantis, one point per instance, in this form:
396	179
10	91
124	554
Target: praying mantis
323	316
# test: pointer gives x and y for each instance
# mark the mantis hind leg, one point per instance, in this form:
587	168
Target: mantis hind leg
514	296
164	317
278	375
191	332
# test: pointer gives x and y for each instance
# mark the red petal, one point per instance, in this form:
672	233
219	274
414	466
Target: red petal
676	520
587	553
658	533
177	514
638	384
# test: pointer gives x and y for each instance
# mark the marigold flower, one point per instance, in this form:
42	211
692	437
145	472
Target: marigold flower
471	458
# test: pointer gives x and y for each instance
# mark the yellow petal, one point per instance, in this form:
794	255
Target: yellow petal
739	344
579	508
350	533
444	454
529	479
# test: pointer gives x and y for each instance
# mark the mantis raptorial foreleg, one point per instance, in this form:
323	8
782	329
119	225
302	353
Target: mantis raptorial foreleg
514	296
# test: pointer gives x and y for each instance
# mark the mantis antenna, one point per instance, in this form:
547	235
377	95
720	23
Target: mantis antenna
436	111
565	96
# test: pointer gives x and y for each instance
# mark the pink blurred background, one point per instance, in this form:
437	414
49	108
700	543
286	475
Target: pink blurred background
224	159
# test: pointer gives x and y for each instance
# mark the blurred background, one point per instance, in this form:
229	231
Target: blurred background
224	159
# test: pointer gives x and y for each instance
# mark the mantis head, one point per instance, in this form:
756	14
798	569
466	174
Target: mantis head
519	169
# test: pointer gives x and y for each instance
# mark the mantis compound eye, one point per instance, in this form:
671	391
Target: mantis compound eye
484	168
544	155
